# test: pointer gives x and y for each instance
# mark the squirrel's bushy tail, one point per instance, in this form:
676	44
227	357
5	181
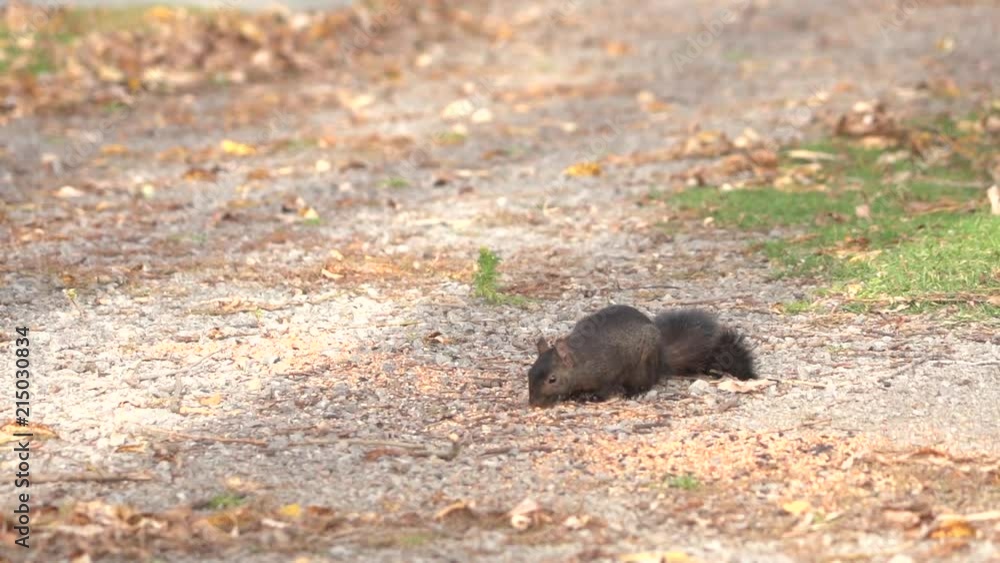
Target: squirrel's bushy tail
695	343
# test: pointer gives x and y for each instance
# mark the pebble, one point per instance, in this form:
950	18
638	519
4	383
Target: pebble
700	387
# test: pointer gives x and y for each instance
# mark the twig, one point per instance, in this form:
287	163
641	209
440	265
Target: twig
801	382
204	438
93	478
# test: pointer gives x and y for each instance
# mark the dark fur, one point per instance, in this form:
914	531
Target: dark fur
619	350
695	343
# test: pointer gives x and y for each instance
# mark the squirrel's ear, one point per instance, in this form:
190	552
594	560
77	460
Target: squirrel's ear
543	345
563	351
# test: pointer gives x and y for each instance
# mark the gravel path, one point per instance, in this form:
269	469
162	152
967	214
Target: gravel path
164	307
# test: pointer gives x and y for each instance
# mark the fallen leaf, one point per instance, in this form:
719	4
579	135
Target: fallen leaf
796	507
68	192
749	386
111	150
37	430
212	400
293	510
131	448
235	148
583	169
456	507
617	48
765	158
994	196
707	144
863	211
524	514
576	522
810	156
197	174
952	527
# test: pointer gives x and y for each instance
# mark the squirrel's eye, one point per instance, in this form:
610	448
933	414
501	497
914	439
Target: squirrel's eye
552	379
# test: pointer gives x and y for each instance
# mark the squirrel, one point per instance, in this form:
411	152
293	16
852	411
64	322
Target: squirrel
619	350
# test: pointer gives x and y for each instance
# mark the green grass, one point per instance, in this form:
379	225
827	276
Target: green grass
929	238
225	500
685	482
395	183
795	307
487	276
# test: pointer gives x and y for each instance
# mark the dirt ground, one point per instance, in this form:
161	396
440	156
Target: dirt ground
298	326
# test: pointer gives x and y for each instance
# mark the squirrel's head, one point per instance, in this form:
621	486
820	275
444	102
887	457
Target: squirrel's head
549	378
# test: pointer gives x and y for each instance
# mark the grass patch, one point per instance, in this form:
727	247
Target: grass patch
225	500
685	482
796	307
877	226
485	281
395	182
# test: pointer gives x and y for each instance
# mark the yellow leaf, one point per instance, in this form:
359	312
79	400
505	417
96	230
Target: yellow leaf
291	510
238	149
309	214
211	400
583	169
796	507
953	527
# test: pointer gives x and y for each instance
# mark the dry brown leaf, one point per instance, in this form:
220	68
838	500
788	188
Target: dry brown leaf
765	158
196	174
37	430
952	527
524	514
212	400
456	507
132	448
748	386
617	48
113	150
707	144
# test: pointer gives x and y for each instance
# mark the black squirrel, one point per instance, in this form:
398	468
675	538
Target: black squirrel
620	350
